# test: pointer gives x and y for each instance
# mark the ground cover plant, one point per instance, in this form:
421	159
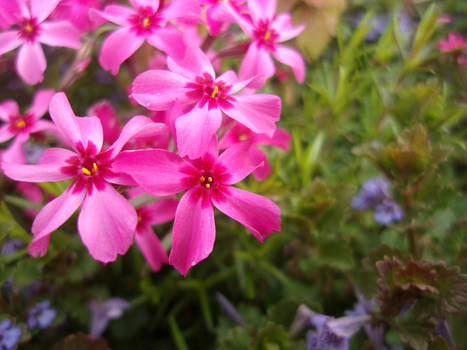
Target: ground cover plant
261	174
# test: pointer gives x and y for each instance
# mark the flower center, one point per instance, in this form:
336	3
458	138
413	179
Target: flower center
91	170
265	35
206	181
144	21
21	122
28	29
206	90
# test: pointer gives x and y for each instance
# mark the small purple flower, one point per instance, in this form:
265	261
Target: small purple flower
41	315
32	152
10	335
373	191
104	312
11	246
388	212
333	333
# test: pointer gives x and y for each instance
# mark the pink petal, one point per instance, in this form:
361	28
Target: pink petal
151	247
257	112
262	9
117	47
194	232
281	139
107	223
117	14
159	172
162	211
45	125
143	3
283	26
65	119
259	156
194	63
60	33
41	101
8	108
31	63
6	133
51	217
9	40
169	40
48	168
90	129
157	90
42	9
182	9
257	61
196	129
14	153
258	214
10	12
238	162
225	12
293	59
134	126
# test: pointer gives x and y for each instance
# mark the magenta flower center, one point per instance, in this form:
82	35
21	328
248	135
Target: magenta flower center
265	35
20	123
145	20
88	168
206	181
29	29
206	90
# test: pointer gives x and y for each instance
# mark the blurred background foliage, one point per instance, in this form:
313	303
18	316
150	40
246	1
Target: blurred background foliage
380	100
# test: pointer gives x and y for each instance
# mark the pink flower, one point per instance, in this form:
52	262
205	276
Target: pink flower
31	31
218	14
238	133
268	30
77	12
109	120
20	126
146	21
107	221
457	43
192	81
157	213
208	181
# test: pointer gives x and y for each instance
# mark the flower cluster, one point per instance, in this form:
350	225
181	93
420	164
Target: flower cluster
199	137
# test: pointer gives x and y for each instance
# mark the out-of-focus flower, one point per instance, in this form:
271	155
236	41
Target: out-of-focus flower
41	315
445	19
457	44
217	14
10	334
387	212
104	312
77	12
90	167
375	193
239	133
156	213
208	183
11	246
21	125
32	30
192	81
146	21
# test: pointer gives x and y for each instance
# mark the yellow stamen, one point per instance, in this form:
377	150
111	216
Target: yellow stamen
139	218
207	185
29	28
20	123
243	137
146	22
209	179
267	35
94	168
86	171
215	92
202	179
